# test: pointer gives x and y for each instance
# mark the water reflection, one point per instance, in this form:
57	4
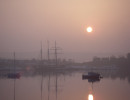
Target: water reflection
90	97
49	87
41	86
92	78
56	86
62	85
14	87
49	83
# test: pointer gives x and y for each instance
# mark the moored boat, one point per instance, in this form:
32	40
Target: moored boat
14	75
91	75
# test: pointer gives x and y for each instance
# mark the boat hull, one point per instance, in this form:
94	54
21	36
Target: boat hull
14	75
90	76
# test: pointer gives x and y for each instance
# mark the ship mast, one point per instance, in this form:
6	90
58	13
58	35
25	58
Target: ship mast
56	53
48	51
14	74
41	51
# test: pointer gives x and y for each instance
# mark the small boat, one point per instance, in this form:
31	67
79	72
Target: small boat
14	75
91	75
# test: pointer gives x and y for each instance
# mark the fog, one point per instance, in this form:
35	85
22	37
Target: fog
25	23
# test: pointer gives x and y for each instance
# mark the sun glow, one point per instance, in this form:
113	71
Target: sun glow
89	29
90	97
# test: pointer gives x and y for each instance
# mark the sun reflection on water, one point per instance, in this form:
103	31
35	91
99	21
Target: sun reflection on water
90	97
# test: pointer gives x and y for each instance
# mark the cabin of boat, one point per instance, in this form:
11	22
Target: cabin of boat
91	75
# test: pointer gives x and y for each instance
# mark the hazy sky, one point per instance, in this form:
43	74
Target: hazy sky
24	23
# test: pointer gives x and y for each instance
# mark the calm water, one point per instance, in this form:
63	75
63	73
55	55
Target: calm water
62	86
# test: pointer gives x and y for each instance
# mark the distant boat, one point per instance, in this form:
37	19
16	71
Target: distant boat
91	75
14	75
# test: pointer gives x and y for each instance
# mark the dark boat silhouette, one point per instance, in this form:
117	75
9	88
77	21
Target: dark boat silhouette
94	80
14	75
91	76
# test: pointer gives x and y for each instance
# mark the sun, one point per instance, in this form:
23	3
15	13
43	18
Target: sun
89	29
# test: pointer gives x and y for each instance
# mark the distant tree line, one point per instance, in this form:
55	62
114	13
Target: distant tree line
121	62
